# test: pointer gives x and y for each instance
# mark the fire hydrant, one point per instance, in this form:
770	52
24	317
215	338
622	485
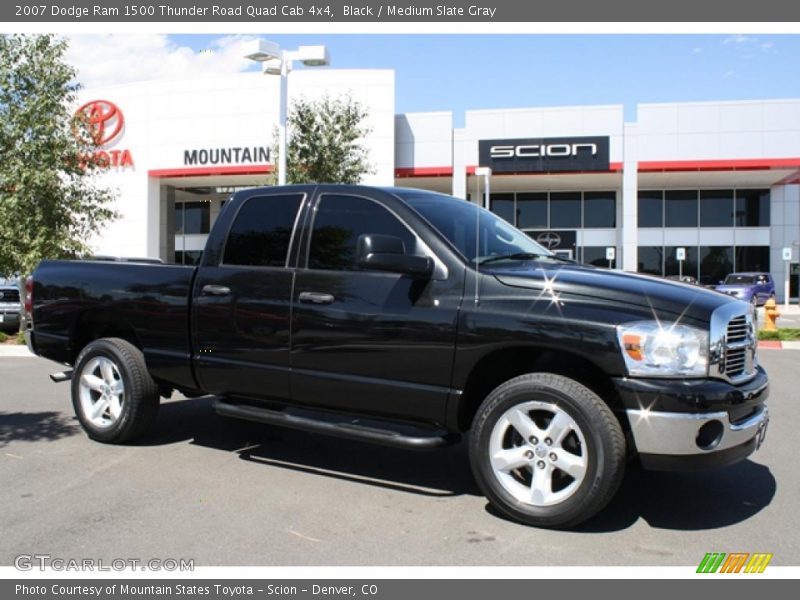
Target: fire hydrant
771	315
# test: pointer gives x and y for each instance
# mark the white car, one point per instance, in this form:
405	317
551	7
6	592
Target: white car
10	308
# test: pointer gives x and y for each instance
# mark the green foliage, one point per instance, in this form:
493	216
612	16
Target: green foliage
785	334
49	202
325	141
3	337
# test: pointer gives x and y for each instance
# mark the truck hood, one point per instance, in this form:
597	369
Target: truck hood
662	296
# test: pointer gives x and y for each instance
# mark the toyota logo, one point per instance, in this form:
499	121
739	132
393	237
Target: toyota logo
549	239
104	119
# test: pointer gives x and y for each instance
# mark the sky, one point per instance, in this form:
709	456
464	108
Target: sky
468	72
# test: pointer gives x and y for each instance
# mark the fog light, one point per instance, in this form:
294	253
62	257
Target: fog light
709	435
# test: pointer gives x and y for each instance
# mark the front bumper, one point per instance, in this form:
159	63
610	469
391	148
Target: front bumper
693	424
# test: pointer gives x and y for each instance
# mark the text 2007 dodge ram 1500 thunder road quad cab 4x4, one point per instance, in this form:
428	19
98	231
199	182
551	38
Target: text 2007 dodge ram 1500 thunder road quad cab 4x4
406	317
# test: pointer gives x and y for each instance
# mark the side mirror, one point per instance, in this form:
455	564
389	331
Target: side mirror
388	253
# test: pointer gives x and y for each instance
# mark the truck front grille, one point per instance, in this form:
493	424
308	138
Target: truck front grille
733	340
9	296
737	347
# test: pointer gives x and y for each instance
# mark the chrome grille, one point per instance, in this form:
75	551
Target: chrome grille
733	344
737	330
9	295
739	339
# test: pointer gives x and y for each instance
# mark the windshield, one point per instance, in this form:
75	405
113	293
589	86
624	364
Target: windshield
739	280
456	220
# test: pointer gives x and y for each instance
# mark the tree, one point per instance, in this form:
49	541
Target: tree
324	139
49	202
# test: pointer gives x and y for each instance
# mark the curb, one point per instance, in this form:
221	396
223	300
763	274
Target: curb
13	351
778	345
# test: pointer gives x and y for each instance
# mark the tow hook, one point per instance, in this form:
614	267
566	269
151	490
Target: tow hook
61	376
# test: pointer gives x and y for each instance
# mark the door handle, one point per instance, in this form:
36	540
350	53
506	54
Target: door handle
215	290
315	297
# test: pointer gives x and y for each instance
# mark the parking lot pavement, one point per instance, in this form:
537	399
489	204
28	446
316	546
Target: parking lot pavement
226	492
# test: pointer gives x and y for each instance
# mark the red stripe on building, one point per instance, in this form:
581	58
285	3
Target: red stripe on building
206	171
744	164
423	172
614	167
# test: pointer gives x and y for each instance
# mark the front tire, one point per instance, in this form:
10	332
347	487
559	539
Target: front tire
546	450
113	395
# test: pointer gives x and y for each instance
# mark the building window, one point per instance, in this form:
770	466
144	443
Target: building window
671	266
715	263
752	258
503	206
651	208
680	208
599	209
261	232
596	256
716	208
532	210
651	260
565	210
192	217
752	208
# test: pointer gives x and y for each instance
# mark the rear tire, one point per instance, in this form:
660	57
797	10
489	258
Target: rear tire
113	395
546	450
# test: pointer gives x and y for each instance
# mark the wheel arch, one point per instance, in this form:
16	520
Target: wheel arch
96	324
504	364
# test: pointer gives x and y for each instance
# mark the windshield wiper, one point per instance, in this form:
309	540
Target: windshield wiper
524	256
515	256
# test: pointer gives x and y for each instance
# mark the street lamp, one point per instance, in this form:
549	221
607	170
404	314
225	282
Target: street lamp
276	61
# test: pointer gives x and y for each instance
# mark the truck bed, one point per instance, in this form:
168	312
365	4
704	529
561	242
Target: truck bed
76	300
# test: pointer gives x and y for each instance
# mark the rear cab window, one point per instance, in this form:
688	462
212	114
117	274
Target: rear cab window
261	232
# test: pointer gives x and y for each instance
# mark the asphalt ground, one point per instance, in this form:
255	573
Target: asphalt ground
226	492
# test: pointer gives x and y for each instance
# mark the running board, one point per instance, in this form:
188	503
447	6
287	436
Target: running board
344	426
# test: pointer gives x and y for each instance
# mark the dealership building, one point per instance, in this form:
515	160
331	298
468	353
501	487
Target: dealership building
715	183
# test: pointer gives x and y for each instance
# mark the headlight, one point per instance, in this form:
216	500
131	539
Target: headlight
653	349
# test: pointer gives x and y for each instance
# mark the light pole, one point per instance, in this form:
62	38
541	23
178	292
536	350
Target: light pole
486	173
279	62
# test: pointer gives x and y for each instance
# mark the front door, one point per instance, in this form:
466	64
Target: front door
370	342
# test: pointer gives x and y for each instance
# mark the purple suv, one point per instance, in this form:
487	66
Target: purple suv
755	288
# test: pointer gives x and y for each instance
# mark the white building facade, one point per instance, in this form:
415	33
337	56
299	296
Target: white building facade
183	146
715	182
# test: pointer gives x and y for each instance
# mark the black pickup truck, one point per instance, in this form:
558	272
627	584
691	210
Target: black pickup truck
408	318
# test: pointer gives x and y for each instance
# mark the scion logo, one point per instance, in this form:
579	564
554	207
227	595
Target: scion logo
735	562
104	118
106	123
549	239
540	150
540	155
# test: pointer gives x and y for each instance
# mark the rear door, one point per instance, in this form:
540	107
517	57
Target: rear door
242	300
369	341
